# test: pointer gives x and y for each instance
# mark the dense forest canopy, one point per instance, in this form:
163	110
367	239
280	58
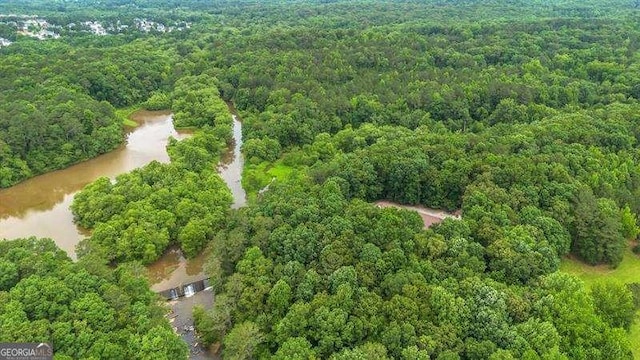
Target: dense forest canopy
88	311
308	273
521	114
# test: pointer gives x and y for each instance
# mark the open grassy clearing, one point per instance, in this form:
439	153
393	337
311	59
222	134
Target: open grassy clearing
628	272
256	177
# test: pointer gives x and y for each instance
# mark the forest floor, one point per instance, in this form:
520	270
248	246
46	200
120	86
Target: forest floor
627	272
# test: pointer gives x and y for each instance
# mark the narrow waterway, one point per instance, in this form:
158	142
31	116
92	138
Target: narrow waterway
182	321
172	269
230	167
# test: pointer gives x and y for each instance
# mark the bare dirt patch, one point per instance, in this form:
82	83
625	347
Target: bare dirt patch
429	216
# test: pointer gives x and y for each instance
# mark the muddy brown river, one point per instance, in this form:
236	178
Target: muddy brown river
40	207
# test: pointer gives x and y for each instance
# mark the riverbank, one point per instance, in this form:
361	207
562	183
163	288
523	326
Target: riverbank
126	115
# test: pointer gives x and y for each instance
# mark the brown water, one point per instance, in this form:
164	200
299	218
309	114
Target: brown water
230	168
172	269
40	206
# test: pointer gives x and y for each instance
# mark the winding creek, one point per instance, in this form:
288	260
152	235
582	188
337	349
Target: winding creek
40	206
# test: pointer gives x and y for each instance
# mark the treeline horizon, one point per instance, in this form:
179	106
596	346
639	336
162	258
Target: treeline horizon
524	115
